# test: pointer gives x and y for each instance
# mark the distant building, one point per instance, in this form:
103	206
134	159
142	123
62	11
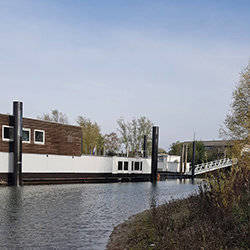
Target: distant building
220	147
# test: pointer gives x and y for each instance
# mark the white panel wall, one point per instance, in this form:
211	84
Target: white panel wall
161	166
169	163
39	163
172	166
6	162
66	164
146	165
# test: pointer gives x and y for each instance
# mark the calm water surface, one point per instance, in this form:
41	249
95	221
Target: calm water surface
76	216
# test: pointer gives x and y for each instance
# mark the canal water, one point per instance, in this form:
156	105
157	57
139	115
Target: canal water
76	216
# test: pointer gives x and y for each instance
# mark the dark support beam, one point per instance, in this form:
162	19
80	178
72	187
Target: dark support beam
193	159
145	150
154	159
18	129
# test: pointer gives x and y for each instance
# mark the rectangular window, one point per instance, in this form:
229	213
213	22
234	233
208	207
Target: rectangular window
141	166
7	133
137	166
39	136
120	165
26	135
132	166
126	165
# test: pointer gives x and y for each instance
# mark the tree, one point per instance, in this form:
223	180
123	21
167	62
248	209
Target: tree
176	149
111	143
162	151
91	136
132	133
54	116
236	125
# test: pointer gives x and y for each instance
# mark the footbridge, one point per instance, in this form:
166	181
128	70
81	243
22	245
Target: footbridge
212	166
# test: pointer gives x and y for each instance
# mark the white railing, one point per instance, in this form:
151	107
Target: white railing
211	166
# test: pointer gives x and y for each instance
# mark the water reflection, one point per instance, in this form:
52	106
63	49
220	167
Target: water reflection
76	216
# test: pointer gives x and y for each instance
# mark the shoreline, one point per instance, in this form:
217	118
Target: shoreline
119	236
128	234
189	223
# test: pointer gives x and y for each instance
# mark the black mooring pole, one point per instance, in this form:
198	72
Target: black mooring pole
193	159
145	153
154	159
18	129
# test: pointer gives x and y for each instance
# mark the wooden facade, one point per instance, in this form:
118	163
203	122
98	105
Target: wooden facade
59	139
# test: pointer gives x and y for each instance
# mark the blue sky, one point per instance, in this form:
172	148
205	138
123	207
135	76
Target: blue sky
175	62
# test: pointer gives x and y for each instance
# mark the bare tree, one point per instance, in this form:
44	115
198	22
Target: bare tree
112	143
54	116
132	133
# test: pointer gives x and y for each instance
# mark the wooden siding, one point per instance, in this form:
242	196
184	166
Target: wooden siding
60	139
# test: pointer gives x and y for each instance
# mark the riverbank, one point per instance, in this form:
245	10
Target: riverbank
169	226
214	219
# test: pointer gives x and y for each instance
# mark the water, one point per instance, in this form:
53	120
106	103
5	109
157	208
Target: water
76	216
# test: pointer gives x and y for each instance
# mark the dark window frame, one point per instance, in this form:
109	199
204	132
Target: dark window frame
125	165
120	166
27	130
3	133
39	142
137	166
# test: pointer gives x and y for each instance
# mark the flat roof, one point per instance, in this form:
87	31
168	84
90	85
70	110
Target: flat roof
63	124
213	143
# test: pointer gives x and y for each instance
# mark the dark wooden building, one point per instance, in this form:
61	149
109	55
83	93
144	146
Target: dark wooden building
41	137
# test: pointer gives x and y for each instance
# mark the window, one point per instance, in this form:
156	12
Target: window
137	165
126	165
7	133
119	165
141	166
39	136
26	135
132	166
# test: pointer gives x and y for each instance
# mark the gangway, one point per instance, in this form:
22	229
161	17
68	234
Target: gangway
211	166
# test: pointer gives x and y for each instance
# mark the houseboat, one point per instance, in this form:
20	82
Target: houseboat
52	153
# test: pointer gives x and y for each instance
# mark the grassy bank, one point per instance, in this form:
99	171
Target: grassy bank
217	218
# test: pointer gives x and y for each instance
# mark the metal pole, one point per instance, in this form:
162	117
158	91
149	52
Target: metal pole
145	153
186	153
182	158
154	159
193	159
18	129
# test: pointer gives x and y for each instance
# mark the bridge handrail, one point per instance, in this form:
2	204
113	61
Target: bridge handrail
206	166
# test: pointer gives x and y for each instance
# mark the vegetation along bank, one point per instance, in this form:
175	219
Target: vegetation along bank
218	216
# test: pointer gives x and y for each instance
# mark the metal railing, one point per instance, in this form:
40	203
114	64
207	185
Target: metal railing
213	165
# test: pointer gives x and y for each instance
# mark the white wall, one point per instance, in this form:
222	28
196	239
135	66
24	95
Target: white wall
173	166
146	165
6	162
40	163
174	158
188	167
169	163
66	164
